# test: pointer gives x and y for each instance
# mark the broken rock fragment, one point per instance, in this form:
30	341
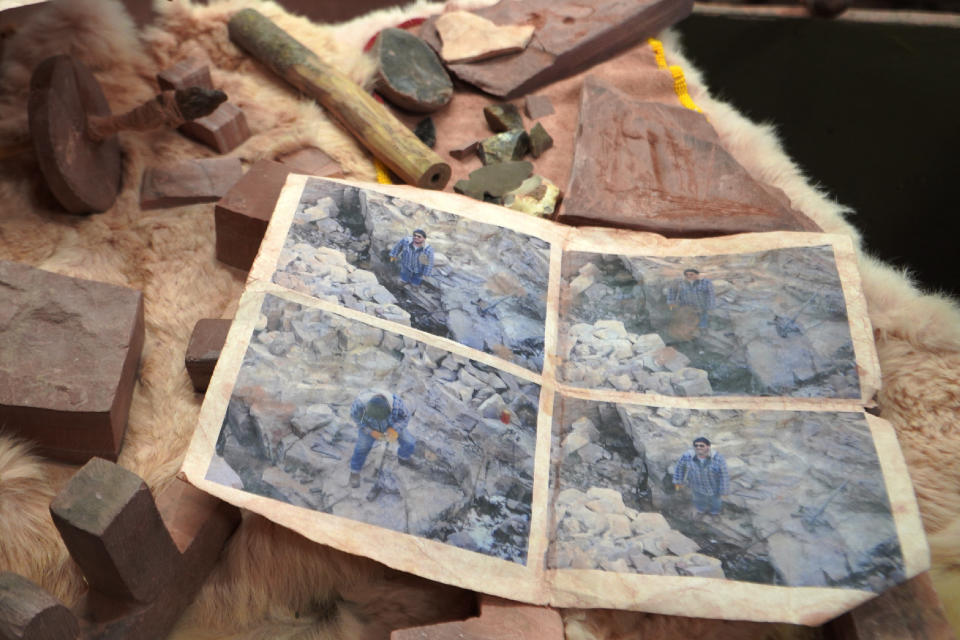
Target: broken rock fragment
409	74
502	117
427	132
536	195
189	72
537	106
465	151
540	140
468	37
492	182
190	182
506	146
223	130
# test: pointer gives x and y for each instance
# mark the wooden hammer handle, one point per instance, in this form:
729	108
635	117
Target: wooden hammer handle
376	128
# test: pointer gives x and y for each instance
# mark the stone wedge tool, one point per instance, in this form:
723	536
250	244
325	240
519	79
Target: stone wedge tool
372	124
73	133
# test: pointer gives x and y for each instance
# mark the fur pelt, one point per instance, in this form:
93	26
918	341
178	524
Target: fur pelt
272	583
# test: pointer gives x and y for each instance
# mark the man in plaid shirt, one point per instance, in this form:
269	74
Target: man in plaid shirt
706	474
415	257
695	292
380	416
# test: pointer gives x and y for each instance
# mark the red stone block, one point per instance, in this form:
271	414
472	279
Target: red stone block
189	72
108	520
313	162
203	350
28	612
68	361
242	215
223	130
190	182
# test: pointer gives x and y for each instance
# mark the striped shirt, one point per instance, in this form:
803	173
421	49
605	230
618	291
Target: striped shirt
708	476
698	293
413	259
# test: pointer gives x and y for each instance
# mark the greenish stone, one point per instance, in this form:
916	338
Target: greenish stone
409	73
504	147
502	117
491	182
540	140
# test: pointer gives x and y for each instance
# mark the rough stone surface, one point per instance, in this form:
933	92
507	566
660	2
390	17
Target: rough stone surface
311	161
662	168
537	106
54	327
540	140
189	72
503	117
504	147
569	38
204	348
409	74
190	182
241	216
494	181
223	130
536	195
468	37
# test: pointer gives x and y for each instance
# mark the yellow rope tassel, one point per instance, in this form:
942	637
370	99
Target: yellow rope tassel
383	174
679	82
680	87
657	47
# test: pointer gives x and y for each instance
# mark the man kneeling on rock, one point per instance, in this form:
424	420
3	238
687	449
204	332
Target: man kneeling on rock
380	416
706	474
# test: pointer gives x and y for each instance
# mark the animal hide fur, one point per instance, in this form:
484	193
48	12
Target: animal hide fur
271	583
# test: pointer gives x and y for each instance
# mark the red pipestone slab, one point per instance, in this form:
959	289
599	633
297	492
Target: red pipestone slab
27	612
204	348
661	168
189	72
313	162
223	130
190	182
570	36
242	215
498	619
68	360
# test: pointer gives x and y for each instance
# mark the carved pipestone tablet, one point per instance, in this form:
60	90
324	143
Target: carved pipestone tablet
204	348
662	168
108	520
242	215
28	612
570	36
68	360
82	174
223	130
409	74
190	182
189	72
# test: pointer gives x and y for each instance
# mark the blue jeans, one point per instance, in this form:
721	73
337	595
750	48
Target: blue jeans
409	276
365	443
704	502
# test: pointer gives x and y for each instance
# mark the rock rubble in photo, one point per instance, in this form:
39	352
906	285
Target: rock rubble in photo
487	289
288	434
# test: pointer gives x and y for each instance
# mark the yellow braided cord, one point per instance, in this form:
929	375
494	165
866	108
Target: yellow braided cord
680	87
383	174
657	47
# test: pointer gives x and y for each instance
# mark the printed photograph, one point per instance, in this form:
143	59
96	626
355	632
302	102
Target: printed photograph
341	417
783	498
481	285
771	323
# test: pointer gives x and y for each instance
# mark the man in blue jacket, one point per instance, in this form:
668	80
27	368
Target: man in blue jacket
415	257
705	472
380	416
